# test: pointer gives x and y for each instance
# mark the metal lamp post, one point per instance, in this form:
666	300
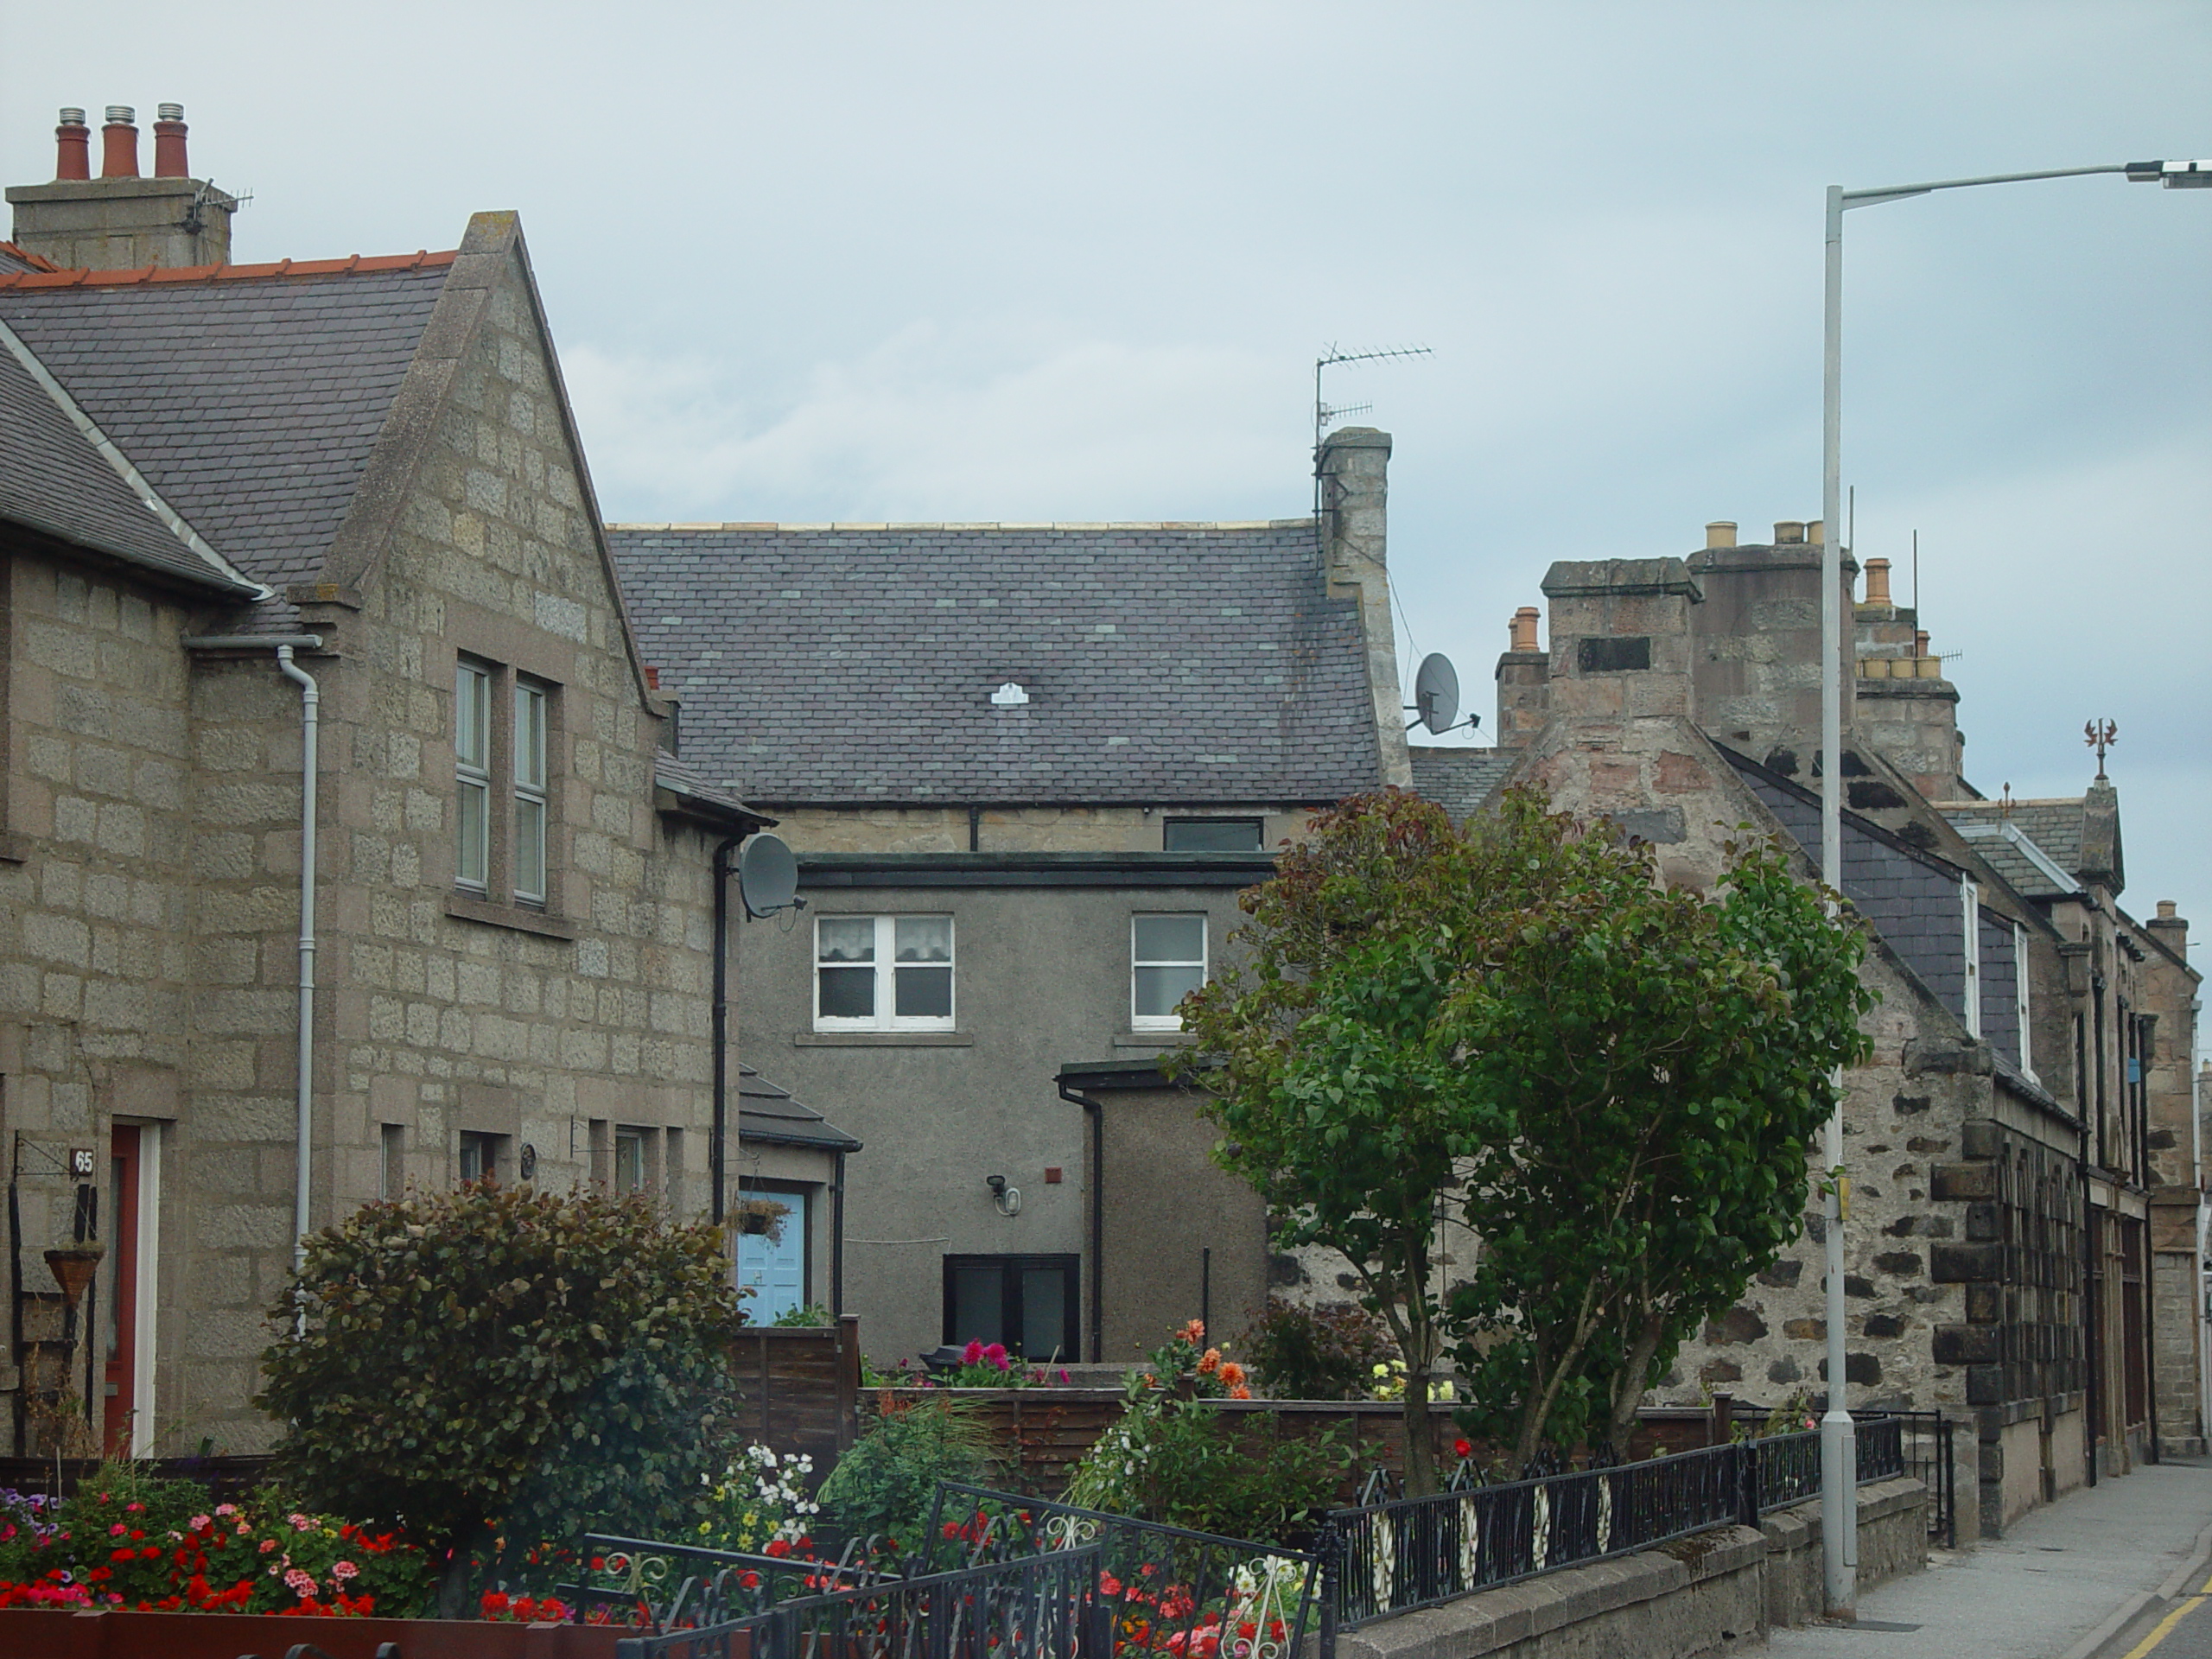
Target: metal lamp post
1839	1442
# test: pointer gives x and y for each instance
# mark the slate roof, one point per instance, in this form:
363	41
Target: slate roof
247	396
13	260
681	778
856	664
766	1112
1997	832
1911	897
53	479
1461	780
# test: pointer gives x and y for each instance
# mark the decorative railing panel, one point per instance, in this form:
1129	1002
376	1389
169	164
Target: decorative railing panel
1043	1606
660	1586
1164	1589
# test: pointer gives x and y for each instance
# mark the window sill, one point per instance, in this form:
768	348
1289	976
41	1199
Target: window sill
1150	1039
516	916
884	1039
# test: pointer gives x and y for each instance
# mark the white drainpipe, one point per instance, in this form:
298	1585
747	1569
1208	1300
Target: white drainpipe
310	706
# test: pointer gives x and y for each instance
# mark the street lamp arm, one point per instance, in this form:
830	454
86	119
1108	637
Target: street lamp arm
2146	172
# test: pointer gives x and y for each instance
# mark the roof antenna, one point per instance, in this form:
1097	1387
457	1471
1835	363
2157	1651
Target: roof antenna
1323	413
1916	592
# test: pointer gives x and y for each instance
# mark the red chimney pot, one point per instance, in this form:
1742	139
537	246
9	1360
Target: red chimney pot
168	143
73	142
119	144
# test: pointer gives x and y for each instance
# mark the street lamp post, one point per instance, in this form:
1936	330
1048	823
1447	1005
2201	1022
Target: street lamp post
1839	1441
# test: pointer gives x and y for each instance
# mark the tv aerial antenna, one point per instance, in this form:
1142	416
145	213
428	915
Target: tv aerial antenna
1323	413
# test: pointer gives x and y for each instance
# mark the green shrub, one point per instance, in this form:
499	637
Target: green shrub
1188	1463
883	1485
1318	1353
812	1317
496	1368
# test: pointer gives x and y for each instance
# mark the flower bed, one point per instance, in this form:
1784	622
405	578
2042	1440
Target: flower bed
41	1634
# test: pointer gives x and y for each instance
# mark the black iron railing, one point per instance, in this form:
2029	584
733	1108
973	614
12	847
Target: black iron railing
1416	1551
1044	1606
1164	1589
1927	1447
661	1586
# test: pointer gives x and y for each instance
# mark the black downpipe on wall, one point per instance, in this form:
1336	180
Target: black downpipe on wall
1097	1114
838	1242
717	1146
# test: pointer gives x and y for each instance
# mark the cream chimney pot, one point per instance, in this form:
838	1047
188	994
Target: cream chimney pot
1878	581
1721	532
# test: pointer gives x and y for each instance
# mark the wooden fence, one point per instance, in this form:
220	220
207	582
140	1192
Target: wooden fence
801	1388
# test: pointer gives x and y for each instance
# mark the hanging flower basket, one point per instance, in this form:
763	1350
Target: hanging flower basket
762	1217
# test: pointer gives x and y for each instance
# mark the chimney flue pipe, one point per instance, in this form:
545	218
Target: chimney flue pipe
1721	532
1878	581
168	143
119	144
1522	631
73	144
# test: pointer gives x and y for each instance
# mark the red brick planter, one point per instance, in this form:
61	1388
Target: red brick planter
43	1633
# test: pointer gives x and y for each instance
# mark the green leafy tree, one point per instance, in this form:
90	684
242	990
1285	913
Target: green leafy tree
1337	1092
496	1368
1645	1067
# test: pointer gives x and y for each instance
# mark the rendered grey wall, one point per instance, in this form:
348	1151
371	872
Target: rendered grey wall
1041	979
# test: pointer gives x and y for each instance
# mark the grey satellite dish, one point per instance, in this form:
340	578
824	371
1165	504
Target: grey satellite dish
767	876
1436	693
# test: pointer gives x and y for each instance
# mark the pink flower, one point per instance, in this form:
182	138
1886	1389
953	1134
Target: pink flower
268	1544
226	1508
301	1523
301	1582
342	1571
116	1530
973	1354
197	1523
996	1355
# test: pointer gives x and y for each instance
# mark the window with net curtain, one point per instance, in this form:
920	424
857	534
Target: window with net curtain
883	973
1167	962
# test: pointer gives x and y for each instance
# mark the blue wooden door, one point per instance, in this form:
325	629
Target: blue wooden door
775	1269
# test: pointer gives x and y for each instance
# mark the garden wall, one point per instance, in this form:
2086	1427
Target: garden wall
1706	1593
28	1633
801	1388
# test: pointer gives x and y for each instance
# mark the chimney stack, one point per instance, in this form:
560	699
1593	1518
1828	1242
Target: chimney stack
168	143
1878	581
1721	532
73	144
1522	631
123	221
119	144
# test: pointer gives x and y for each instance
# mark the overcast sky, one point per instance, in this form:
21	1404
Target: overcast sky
928	262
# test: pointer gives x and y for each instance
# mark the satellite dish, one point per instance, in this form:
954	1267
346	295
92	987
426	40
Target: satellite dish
767	876
1436	693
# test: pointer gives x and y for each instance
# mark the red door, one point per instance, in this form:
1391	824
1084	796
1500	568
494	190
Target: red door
123	1307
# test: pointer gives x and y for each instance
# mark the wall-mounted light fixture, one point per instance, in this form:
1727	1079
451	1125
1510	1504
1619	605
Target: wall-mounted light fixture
1009	1199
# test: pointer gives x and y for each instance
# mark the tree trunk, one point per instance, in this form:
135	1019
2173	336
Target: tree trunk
456	1585
1420	1449
1628	1386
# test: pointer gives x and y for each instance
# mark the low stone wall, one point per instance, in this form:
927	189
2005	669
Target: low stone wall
1708	1594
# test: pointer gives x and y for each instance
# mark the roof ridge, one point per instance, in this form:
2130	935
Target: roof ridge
54	277
35	261
1303	521
132	478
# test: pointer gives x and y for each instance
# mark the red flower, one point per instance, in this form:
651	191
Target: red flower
779	1547
1461	1449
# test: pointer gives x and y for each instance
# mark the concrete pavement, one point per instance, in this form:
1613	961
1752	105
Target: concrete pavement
2089	1577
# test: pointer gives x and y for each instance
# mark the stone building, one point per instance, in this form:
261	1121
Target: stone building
1026	769
2022	1237
231	498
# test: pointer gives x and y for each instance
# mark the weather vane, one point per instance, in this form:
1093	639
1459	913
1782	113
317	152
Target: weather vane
2099	734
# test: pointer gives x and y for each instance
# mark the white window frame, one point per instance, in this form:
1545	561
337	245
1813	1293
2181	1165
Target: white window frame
2021	984
1203	965
471	717
886	963
1970	908
533	713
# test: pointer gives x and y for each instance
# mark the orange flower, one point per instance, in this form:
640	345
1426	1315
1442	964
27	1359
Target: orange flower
1195	1331
1240	1392
1231	1373
1209	1362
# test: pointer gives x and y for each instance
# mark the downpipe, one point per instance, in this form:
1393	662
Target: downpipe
310	714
